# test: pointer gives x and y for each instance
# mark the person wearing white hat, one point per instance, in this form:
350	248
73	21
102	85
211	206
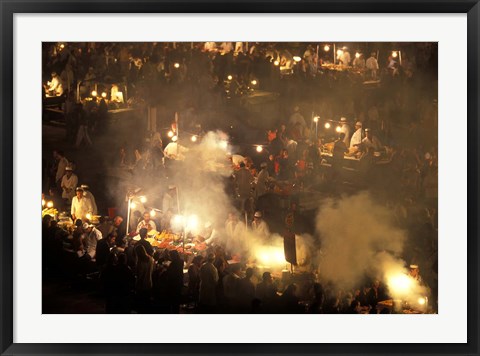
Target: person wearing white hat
259	226
88	194
80	206
69	184
91	236
357	136
415	273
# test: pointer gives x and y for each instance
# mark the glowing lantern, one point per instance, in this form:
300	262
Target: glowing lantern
94	93
259	149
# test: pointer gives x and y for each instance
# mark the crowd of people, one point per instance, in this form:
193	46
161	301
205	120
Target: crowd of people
135	276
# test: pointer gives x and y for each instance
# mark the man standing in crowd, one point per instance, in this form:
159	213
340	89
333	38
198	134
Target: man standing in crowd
357	136
372	66
61	164
80	206
259	226
69	184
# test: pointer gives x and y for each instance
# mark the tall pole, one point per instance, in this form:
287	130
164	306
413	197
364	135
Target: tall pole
334	53
128	214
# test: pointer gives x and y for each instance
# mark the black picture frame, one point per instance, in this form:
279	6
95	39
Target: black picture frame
10	7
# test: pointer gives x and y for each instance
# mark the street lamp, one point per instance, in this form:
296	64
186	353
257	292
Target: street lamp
315	120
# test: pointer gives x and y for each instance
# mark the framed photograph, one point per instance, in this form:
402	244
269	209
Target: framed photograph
250	178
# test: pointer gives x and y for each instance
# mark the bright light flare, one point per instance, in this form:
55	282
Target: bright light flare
338	129
270	256
50	204
339	52
394	54
143	199
175	138
421	301
177	65
170	134
297	58
315	119
177	220
259	149
326	48
327	125
192	223
194	138
357	55
133	205
104	95
153	212
399	284
223	144
254	82
88	216
62	46
229	77
94	93
43	202
276	63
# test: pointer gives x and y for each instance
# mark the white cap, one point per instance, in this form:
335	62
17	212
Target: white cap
358	123
85	226
68	168
343	119
84	186
258	214
136	238
414	266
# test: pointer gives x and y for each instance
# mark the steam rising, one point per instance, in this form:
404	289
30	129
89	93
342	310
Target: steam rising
353	231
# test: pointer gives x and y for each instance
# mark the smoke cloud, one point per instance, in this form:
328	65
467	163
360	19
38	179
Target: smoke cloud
353	230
